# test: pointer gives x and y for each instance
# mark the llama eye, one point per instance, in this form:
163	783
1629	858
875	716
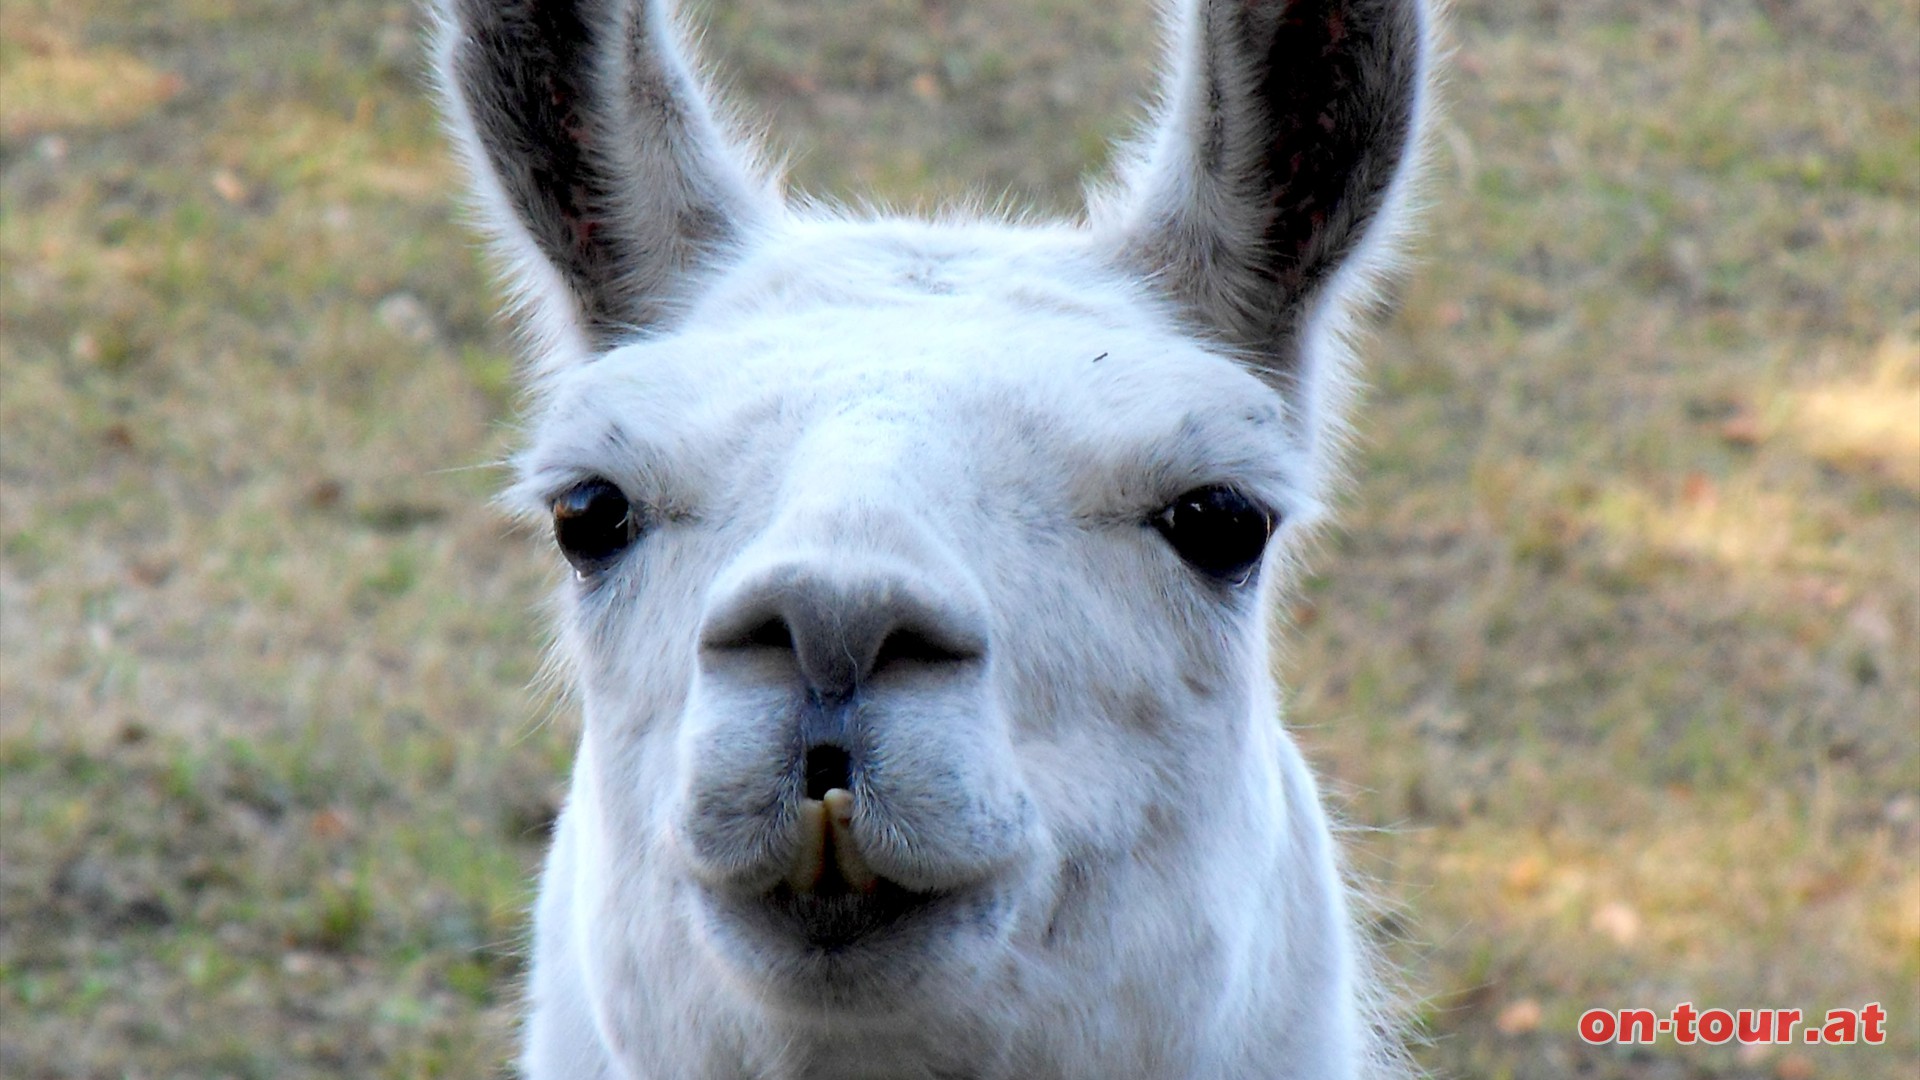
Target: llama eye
1217	530
593	523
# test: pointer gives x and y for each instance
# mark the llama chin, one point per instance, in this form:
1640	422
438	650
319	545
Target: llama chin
921	572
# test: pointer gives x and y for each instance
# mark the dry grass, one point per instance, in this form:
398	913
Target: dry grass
1620	640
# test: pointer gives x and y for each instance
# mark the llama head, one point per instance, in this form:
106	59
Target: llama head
974	526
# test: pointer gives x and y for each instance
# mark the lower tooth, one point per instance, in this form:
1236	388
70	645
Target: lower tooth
859	876
810	861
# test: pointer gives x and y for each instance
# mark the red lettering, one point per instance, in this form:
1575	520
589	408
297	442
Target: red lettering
1873	1019
1751	1027
1597	1026
1755	1024
1683	1015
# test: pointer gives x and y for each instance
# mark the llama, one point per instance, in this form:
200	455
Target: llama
922	571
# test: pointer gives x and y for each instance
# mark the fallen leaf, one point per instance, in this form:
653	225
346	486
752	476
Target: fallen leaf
1617	921
1518	1018
1742	430
229	186
1795	1067
1527	874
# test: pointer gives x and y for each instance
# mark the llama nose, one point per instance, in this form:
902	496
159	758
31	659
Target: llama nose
841	628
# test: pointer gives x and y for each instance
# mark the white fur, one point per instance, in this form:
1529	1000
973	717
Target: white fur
974	420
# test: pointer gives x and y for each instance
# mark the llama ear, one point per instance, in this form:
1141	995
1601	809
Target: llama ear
1272	181
598	163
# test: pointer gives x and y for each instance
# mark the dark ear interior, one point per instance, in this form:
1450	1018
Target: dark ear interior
1339	84
1284	138
603	150
525	72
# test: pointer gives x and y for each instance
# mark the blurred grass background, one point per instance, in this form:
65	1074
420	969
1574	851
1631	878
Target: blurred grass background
1618	646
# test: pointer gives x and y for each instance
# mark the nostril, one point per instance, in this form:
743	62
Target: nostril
916	647
771	634
828	767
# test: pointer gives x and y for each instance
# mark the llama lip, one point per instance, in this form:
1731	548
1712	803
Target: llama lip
842	919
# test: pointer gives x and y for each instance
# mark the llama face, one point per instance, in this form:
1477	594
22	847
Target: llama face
903	497
921	570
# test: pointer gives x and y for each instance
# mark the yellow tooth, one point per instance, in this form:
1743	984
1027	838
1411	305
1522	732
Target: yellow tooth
811	858
846	854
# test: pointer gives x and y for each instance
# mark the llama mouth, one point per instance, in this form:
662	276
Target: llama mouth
831	897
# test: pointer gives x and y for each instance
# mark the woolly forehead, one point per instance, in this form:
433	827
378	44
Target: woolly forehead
914	358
